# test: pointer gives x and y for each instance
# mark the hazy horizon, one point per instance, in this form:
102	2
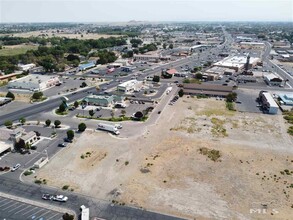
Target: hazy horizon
101	11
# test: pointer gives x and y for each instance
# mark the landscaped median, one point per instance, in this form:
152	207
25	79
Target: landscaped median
114	119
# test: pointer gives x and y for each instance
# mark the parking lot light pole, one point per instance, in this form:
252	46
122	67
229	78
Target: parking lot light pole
47	154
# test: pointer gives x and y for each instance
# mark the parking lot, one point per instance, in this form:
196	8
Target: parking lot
246	101
15	210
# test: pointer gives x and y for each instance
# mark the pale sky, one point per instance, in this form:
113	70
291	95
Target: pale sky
144	10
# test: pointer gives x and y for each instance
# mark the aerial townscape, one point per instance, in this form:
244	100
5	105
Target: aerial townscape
145	119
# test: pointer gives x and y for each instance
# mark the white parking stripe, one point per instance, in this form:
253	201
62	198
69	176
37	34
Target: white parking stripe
16	207
30	210
22	209
3	200
6	203
34	214
44	214
10	206
52	217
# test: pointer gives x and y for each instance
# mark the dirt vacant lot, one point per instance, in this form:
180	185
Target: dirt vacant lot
199	161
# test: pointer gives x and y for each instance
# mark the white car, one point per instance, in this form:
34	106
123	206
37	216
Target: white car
60	198
15	167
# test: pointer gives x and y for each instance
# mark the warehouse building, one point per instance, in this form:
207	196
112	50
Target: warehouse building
85	66
206	89
286	99
273	80
26	67
237	62
102	100
268	103
34	83
129	86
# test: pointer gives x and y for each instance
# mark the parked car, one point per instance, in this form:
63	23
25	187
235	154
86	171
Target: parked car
60	198
68	140
64	144
16	167
47	196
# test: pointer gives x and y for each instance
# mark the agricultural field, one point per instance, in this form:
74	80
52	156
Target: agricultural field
16	49
53	33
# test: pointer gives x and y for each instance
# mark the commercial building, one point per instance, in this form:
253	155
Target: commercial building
102	100
34	82
255	45
272	80
144	57
215	72
129	86
268	103
206	89
168	73
237	62
26	66
29	138
85	66
8	138
6	143
286	99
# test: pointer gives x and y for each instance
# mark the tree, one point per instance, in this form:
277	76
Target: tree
76	104
171	46
57	123
22	120
10	95
67	216
198	76
70	134
48	122
37	95
231	97
8	124
62	107
83	84
156	78
112	114
180	93
91	112
81	127
123	112
164	45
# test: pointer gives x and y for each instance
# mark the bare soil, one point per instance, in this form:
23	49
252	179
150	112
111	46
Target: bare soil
164	171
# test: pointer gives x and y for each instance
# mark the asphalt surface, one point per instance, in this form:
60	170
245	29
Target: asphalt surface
15	210
42	107
98	208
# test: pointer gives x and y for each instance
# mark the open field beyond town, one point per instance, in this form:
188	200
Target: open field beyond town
202	162
53	33
16	49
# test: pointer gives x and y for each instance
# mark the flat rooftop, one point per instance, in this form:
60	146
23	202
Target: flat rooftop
34	79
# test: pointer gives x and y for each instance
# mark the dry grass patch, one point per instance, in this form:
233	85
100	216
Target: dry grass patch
213	154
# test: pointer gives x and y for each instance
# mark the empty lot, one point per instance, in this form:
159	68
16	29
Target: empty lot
166	170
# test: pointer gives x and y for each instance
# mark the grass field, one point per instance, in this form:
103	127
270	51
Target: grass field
15	50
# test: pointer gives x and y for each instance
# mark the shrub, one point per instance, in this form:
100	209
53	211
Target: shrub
10	95
8	124
57	123
38	181
48	122
81	127
65	187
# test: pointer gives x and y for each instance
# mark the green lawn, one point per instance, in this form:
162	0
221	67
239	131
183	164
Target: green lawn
11	51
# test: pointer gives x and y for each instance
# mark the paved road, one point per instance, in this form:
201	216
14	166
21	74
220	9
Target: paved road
42	107
275	68
99	208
